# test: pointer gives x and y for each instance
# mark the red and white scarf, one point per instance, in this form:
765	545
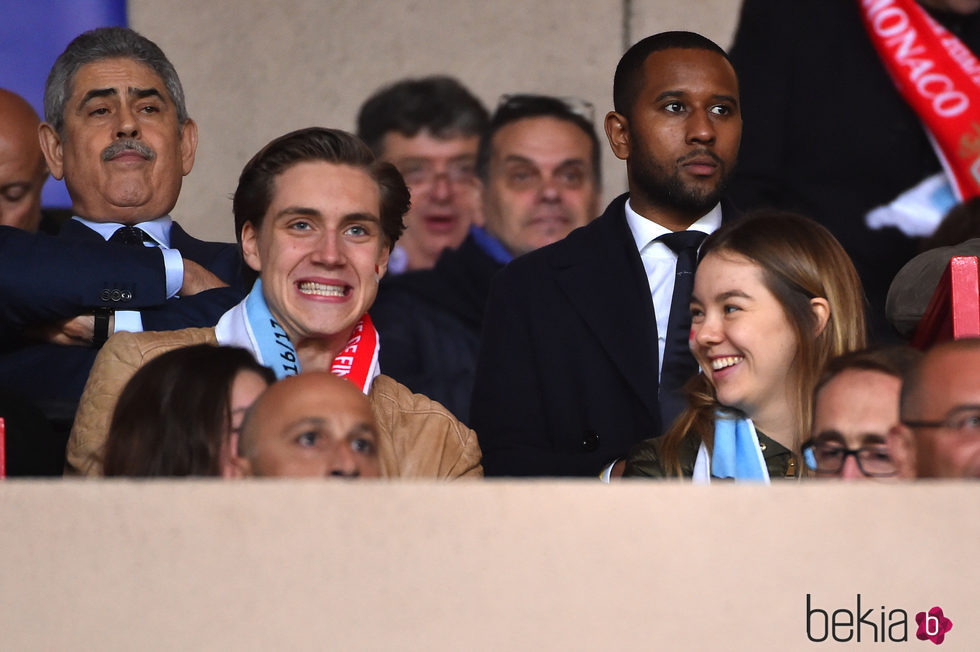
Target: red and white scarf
251	326
938	77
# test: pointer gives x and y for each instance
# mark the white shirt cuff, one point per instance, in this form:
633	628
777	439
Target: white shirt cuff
174	264
128	320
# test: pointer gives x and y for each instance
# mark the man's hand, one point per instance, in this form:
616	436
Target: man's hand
76	331
197	279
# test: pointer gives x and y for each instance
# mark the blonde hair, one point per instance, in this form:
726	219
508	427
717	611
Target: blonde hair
800	261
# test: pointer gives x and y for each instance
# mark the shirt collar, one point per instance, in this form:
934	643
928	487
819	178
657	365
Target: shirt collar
158	229
490	245
646	231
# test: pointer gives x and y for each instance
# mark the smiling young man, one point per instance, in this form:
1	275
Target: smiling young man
576	333
317	216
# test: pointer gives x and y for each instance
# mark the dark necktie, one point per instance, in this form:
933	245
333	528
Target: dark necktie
130	236
678	364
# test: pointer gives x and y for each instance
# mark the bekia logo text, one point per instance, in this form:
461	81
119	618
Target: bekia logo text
843	625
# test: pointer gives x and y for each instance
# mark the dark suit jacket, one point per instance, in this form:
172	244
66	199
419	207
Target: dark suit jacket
65	283
200	310
430	322
35	291
567	373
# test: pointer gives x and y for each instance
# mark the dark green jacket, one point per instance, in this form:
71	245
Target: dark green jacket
645	460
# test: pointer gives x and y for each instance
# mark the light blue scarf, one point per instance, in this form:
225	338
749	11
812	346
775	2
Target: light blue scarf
736	453
250	325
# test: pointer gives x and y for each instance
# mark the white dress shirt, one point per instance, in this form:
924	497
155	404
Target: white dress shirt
159	232
660	262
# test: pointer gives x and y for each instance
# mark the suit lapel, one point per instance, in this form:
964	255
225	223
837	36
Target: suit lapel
187	245
603	278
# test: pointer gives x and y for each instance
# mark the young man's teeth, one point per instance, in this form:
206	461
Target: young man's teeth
321	289
728	361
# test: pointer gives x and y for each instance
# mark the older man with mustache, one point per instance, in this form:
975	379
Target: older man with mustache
117	131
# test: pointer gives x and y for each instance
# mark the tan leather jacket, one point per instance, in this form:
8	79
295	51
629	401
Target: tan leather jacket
418	438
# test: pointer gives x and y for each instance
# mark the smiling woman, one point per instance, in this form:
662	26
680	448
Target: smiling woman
775	297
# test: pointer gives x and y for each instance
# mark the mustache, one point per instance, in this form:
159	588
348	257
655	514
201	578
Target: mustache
699	153
128	144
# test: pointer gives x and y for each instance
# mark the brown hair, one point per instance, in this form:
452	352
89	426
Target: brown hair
173	416
257	181
800	261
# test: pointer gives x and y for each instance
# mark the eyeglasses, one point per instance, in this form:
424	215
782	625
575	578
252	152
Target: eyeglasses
829	457
964	420
575	105
419	172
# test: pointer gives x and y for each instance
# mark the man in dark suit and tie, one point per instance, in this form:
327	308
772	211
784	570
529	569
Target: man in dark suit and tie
584	347
118	132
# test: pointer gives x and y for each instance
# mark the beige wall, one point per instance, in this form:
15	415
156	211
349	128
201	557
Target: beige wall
255	69
475	566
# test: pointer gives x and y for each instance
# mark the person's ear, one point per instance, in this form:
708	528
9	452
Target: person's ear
821	311
618	134
233	467
188	146
381	268
52	150
901	447
237	468
250	246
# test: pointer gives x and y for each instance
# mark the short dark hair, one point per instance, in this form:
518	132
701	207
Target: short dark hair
895	361
522	107
255	185
107	43
628	80
439	104
173	414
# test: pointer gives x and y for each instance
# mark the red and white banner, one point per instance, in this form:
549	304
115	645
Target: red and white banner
939	78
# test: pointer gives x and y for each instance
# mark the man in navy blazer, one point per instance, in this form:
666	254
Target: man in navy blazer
118	132
568	377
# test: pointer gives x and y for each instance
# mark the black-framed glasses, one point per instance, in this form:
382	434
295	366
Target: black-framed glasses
575	105
873	460
964	420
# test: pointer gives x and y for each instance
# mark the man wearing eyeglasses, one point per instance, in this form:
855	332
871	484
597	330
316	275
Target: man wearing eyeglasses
585	345
939	433
855	404
429	129
538	163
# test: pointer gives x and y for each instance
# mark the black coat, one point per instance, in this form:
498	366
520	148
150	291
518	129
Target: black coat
567	373
430	321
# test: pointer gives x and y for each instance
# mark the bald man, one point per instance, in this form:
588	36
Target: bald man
22	167
311	425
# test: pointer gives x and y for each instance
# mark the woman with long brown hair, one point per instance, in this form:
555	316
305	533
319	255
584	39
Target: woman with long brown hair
775	297
179	414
